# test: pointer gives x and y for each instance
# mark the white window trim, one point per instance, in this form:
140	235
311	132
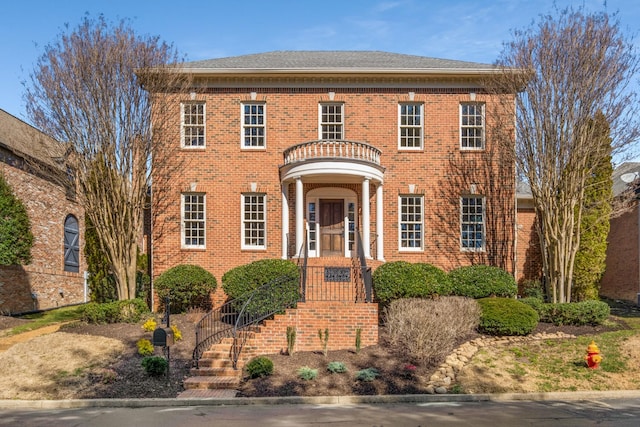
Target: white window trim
264	125
484	223
182	126
244	246
183	245
320	105
403	249
421	147
484	126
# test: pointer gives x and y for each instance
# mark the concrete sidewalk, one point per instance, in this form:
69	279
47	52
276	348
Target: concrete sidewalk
320	400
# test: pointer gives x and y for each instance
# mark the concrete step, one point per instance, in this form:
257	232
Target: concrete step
203	393
207	382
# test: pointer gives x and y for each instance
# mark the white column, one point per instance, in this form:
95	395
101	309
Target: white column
379	224
299	215
366	220
285	219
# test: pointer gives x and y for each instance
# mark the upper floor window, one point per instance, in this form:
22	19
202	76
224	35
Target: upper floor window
331	121
71	244
472	126
410	126
193	220
472	223
411	223
254	221
253	125
193	124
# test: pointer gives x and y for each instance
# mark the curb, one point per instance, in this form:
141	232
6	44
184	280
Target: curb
319	400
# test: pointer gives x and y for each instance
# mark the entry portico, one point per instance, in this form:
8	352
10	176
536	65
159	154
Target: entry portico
332	211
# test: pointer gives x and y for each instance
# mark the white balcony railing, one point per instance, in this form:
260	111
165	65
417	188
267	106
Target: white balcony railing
331	149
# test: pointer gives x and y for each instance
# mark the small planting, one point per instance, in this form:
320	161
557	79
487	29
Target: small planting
177	333
291	339
155	365
368	374
336	367
150	325
260	366
358	339
324	340
307	373
145	348
409	370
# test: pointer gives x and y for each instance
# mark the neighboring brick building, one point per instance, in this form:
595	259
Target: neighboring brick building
55	276
396	147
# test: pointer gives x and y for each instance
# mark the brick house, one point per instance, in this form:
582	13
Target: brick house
287	150
55	276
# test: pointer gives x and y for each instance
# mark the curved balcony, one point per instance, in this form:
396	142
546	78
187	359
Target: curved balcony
332	160
324	149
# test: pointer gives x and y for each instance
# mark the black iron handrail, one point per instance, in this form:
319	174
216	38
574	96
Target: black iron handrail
213	327
364	277
267	300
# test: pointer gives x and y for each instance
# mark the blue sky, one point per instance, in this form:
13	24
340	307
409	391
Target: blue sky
470	30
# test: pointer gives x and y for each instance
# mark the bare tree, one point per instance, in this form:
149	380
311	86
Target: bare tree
567	69
91	91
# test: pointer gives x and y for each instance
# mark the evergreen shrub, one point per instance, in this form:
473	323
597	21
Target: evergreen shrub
482	281
506	316
401	279
260	366
187	286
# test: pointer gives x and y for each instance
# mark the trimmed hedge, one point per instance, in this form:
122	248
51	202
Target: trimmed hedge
506	316
482	281
127	311
588	312
187	286
401	279
245	278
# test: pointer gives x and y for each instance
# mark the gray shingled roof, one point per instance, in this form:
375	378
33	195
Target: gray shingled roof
23	139
335	60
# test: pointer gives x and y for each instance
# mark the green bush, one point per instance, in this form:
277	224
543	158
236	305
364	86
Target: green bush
532	289
481	281
126	311
506	316
187	286
260	366
155	365
307	373
401	279
336	367
588	312
283	277
16	238
368	374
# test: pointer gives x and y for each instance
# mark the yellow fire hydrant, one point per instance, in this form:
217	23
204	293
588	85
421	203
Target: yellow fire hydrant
593	357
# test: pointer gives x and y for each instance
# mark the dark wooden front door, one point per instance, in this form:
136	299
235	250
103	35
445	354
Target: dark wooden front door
332	227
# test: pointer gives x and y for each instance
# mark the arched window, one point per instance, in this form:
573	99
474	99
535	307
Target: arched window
71	244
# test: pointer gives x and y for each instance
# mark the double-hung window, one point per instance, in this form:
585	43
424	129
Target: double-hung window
254	221
193	220
411	223
472	128
410	126
331	121
192	131
472	223
253	125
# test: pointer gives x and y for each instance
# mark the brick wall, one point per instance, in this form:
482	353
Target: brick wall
621	278
528	257
341	318
440	172
45	278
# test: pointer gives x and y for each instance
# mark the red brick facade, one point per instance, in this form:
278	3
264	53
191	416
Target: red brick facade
441	173
43	284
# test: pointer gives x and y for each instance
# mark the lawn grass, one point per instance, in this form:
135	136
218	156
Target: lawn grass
46	318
